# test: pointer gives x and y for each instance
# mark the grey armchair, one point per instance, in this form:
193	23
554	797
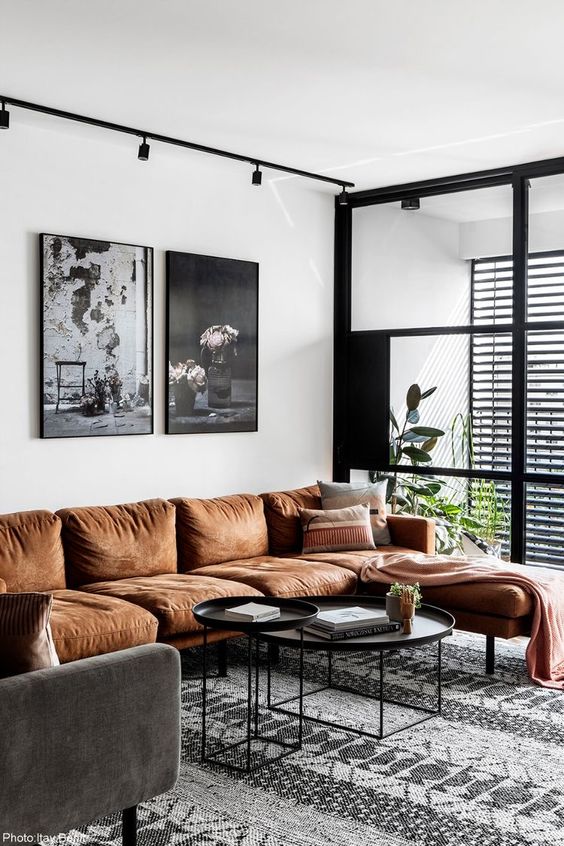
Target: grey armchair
87	739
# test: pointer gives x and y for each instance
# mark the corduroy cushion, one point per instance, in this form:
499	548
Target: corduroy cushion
25	635
31	552
345	494
119	541
282	513
211	531
336	530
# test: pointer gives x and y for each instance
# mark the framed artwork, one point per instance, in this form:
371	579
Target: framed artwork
212	344
96	338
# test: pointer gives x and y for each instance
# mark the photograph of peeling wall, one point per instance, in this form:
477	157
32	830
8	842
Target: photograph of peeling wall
97	345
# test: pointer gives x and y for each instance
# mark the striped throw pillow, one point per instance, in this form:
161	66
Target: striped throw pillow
342	494
25	634
336	530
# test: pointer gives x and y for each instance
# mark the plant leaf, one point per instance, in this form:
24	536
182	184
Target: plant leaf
428	392
394	421
430	444
428	431
413	397
416	454
412	416
410	437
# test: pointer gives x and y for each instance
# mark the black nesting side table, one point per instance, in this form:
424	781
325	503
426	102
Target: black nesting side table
294	615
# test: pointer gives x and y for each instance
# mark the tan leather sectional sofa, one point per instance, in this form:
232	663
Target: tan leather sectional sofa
123	575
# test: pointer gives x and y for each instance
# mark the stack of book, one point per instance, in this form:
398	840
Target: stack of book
342	623
252	612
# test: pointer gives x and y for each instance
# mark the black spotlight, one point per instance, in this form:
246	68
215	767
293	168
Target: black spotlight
4	117
257	176
143	154
343	198
411	204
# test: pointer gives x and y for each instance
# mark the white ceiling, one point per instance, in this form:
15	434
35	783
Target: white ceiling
375	91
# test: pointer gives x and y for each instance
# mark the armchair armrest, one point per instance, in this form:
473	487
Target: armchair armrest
88	738
412	532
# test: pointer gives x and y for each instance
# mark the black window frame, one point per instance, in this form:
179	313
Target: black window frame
360	430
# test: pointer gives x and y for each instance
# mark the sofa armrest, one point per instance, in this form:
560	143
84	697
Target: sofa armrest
88	738
412	532
2	586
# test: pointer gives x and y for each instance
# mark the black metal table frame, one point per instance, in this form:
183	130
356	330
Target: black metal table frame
252	718
380	735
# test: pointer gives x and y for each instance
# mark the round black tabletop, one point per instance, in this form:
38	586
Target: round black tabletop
294	614
429	625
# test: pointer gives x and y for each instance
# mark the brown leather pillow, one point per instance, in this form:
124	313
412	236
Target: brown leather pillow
31	552
227	528
282	512
104	543
25	634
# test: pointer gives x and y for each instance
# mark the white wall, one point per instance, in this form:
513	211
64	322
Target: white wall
70	180
407	273
481	238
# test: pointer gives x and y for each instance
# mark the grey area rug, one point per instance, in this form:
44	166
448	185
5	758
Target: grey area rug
488	772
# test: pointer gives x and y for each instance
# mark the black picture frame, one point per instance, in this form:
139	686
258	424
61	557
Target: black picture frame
95	344
203	292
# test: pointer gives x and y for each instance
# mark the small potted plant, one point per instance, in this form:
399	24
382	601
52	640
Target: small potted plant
186	379
394	598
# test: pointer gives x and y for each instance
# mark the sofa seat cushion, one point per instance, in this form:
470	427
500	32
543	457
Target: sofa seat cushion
286	576
31	552
353	560
211	531
83	625
119	541
497	599
171	597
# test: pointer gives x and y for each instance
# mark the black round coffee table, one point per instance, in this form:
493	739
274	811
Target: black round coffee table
430	626
294	615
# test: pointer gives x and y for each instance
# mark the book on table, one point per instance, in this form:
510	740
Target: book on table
344	634
341	619
252	612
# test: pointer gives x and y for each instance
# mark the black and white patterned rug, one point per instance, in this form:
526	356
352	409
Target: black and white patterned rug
488	772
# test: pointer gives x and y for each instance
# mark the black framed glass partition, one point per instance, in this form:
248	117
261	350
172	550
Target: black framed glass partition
462	291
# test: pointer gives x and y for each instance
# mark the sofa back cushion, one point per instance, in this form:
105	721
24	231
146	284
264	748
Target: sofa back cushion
282	512
119	541
31	552
211	531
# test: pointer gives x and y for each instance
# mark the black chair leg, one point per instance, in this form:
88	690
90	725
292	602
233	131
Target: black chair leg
490	654
222	658
129	826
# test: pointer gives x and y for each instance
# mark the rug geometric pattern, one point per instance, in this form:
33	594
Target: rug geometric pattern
488	772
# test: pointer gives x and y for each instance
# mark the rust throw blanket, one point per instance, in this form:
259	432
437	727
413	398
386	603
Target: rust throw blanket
545	652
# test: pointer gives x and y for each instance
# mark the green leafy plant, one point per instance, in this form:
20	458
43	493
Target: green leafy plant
397	590
411	440
488	510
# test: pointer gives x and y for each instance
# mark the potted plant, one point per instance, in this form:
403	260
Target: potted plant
186	379
220	343
394	598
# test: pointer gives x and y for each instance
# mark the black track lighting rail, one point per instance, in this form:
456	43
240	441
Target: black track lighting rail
167	139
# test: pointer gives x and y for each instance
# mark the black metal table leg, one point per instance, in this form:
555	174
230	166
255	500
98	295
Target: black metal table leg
256	686
301	711
381	694
204	691
439	678
249	698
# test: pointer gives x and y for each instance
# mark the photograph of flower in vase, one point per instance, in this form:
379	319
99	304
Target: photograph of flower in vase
212	344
